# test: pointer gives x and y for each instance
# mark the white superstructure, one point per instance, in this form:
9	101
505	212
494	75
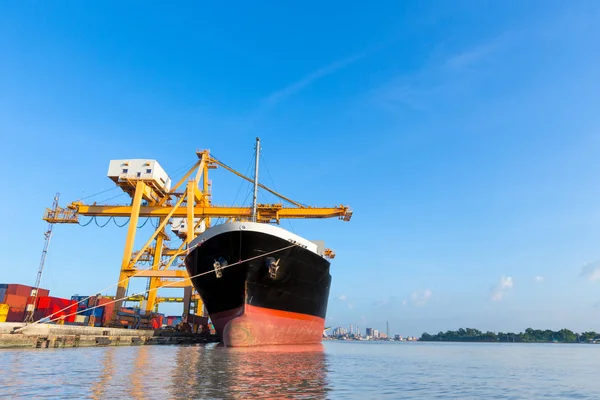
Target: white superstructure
179	226
132	169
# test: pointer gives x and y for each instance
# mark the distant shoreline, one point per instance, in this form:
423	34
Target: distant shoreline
530	335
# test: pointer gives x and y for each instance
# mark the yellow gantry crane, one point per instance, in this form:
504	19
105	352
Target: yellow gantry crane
187	207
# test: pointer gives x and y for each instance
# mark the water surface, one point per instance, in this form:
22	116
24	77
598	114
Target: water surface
344	370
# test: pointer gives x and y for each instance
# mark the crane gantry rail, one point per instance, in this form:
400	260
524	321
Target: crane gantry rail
189	203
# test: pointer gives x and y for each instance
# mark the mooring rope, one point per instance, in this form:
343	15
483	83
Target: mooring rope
147	290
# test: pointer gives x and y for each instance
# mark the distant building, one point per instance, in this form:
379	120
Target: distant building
339	332
369	332
375	334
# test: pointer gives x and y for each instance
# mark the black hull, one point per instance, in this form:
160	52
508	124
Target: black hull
300	285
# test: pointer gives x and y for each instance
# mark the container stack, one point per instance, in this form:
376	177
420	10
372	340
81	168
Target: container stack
14	300
79	310
173	320
56	308
93	310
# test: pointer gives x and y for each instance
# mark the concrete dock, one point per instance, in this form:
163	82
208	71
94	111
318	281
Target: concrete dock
57	336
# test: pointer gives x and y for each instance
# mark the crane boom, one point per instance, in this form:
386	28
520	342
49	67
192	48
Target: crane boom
265	212
47	236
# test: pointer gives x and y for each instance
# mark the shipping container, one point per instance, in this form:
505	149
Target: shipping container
24	290
15	314
56	307
156	321
173	320
109	309
96	312
57	314
80	319
4	308
78	299
14	300
2	294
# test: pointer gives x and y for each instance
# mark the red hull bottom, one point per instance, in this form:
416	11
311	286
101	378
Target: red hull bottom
258	326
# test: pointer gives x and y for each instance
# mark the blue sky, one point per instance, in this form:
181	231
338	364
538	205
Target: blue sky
464	136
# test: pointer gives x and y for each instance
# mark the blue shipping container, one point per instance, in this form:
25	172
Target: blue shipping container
83	304
2	294
96	312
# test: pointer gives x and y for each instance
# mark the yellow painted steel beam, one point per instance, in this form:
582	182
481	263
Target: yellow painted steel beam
201	166
156	257
185	177
195	297
179	284
134	213
157	231
166	252
266	212
161	273
192	189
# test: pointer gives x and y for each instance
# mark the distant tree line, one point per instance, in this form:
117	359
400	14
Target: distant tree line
529	336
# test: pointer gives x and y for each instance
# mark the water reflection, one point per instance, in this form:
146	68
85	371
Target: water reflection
99	387
138	374
242	373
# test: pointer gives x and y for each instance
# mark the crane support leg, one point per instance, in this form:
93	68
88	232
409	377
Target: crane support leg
154	282
187	299
191	231
131	231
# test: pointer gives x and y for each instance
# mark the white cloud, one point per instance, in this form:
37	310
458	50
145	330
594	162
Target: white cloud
538	278
444	78
591	271
342	297
420	298
351	306
502	288
297	86
404	302
477	53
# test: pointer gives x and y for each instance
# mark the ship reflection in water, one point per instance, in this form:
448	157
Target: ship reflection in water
255	372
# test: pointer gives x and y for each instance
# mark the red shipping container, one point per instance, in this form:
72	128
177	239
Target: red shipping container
58	312
24	290
59	307
42	292
109	308
16	301
51	302
156	321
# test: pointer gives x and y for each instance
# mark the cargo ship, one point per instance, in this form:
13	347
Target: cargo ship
278	297
260	284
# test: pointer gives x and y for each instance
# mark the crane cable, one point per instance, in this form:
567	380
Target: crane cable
86	224
96	194
102	226
148	290
115	222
